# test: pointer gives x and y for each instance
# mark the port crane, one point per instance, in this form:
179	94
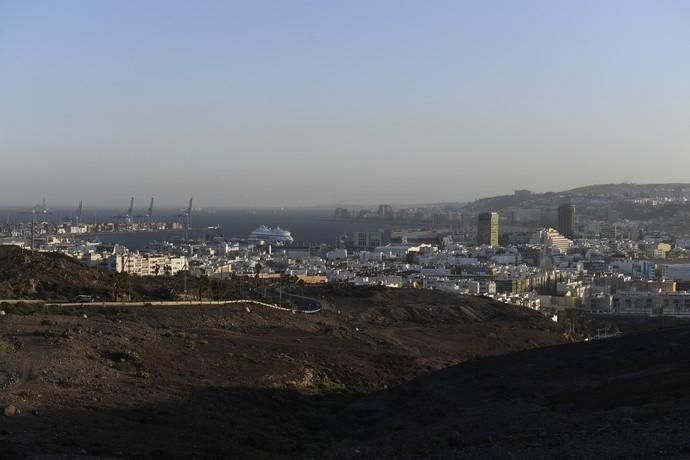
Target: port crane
187	216
126	220
38	210
149	213
147	216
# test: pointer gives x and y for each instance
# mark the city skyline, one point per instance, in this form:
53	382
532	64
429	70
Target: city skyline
142	202
344	229
301	104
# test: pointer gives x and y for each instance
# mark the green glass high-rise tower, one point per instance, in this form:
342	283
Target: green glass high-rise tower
487	229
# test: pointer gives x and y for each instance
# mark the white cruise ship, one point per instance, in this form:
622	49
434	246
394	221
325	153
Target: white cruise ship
271	235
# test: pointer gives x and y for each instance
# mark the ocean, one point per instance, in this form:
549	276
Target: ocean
308	226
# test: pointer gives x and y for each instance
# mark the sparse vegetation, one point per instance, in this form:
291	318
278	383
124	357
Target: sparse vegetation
230	375
32	308
125	356
58	278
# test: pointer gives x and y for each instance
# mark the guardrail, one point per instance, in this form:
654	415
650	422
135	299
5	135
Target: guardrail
163	304
269	305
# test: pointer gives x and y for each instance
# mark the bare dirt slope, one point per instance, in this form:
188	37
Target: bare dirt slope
211	382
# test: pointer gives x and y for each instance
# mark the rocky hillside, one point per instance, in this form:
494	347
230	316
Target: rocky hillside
40	275
57	277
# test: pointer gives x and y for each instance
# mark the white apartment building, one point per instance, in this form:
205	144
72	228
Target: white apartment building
144	264
550	238
651	303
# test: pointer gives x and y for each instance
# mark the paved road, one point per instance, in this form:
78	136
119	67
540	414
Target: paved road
285	299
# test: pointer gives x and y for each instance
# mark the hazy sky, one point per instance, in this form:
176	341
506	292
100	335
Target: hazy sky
315	102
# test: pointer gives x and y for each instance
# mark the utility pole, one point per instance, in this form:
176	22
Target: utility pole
33	224
185	282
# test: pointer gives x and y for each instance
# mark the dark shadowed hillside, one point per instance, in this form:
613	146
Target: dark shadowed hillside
42	275
617	398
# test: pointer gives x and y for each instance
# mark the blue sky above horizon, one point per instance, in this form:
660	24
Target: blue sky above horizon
315	102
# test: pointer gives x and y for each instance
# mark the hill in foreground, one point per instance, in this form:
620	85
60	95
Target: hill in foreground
219	382
616	398
41	275
231	381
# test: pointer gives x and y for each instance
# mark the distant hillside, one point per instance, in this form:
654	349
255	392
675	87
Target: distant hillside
626	189
501	202
497	203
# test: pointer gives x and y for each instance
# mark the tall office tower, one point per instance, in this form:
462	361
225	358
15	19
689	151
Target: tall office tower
385	211
566	220
487	228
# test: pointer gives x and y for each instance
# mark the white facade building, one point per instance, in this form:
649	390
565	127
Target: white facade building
143	264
